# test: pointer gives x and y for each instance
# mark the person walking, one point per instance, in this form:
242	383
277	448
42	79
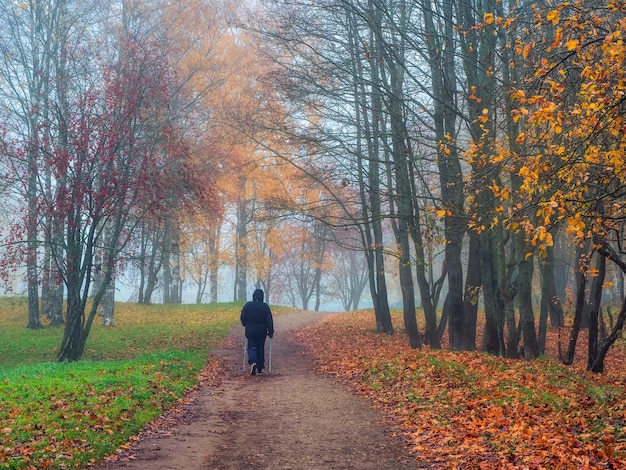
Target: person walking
256	317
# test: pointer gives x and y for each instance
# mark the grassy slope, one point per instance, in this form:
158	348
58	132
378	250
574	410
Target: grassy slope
66	415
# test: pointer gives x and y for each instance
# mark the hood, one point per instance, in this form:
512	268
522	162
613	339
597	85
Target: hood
258	295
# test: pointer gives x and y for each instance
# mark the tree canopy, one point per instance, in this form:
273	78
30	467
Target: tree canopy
463	160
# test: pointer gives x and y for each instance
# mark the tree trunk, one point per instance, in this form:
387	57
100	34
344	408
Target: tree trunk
525	300
56	288
471	294
151	263
442	67
604	249
375	246
106	283
72	344
550	304
493	334
406	285
166	263
320	236
202	285
214	259
581	282
564	263
399	150
554	302
431	334
430	313
616	332
175	280
35	80
171	265
52	289
107	307
34	321
142	266
71	349
317	282
98	272
595	299
241	246
478	44
369	184
46	264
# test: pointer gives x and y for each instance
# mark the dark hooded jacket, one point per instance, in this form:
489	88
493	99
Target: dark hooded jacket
256	317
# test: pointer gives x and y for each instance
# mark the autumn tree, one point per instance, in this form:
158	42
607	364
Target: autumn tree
266	244
574	130
367	102
195	32
201	220
229	101
200	244
354	157
390	52
120	165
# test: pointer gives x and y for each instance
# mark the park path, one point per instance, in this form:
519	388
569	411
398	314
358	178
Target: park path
292	418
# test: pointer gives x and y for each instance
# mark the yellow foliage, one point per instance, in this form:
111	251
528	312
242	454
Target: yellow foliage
572	44
575	226
519	95
570	137
553	16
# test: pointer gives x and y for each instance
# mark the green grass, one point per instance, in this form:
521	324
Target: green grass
70	414
140	329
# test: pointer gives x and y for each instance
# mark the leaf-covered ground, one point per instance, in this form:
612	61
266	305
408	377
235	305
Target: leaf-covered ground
473	410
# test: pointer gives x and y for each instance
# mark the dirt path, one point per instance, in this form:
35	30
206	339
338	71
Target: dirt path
291	418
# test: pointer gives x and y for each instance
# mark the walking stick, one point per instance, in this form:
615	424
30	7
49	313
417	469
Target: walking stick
245	349
270	368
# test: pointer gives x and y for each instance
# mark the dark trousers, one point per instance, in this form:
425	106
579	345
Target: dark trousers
256	352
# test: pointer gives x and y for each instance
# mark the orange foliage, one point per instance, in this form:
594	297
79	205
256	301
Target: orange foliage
474	411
